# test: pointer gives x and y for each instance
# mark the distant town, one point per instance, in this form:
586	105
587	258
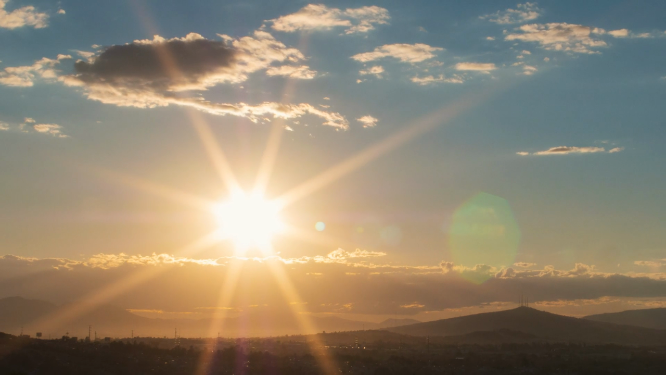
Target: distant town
346	353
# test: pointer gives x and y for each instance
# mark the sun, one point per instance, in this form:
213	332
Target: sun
249	220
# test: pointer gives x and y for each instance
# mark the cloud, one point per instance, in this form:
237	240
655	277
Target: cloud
480	67
61	11
152	73
624	33
25	76
407	53
524	12
649	263
566	150
320	17
53	129
25	16
300	72
368	121
376	71
621	33
347	281
50	129
430	80
616	149
528	70
413	305
577	302
524	264
561	37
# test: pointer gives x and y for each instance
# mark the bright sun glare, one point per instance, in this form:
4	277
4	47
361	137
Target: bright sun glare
249	220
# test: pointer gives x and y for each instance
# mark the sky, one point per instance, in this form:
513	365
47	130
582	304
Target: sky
438	157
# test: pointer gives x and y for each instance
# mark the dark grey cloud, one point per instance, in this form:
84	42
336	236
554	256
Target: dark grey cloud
164	65
151	73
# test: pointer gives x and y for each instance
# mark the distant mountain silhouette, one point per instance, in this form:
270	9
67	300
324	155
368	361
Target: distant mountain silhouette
391	323
518	325
16	311
541	324
108	320
647	318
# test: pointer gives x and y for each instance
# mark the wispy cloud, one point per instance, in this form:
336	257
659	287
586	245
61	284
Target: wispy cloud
299	72
407	53
561	37
321	17
29	125
567	150
25	76
376	71
523	13
474	66
430	79
368	121
568	37
52	129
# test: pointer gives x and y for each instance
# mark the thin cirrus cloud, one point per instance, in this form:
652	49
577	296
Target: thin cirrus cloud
321	17
523	13
24	16
431	79
135	74
406	53
568	150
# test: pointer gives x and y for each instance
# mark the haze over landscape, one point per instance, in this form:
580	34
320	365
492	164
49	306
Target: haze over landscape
398	170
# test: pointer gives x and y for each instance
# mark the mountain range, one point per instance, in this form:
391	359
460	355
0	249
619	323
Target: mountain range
522	324
540	324
647	318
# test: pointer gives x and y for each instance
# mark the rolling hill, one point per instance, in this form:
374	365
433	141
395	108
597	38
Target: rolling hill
647	318
540	324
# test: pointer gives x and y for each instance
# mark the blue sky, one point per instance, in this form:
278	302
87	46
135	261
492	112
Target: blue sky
558	113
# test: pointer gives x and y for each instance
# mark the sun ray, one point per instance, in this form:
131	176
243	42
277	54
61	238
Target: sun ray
290	294
154	188
200	125
270	155
371	153
105	294
227	291
214	151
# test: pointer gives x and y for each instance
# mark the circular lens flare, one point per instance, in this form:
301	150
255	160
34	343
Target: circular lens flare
249	220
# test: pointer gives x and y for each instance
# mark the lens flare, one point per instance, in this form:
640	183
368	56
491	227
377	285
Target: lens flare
483	232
